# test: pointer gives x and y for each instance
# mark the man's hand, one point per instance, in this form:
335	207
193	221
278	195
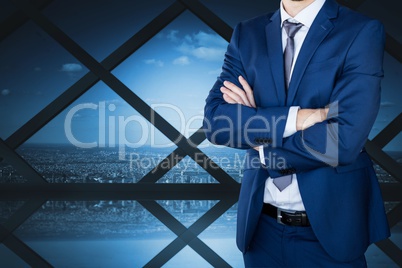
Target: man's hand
235	95
308	117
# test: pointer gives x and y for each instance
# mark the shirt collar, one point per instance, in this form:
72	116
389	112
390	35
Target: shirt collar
306	16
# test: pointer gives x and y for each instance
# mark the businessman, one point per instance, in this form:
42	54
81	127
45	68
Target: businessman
300	90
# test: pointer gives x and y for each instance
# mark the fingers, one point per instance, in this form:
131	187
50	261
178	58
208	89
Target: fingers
228	99
248	90
233	97
237	91
233	94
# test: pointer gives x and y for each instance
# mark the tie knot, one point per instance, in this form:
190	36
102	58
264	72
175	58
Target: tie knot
291	28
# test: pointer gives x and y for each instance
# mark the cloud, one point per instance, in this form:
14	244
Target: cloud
71	67
154	62
183	60
5	92
37	69
201	45
209	53
172	36
209	39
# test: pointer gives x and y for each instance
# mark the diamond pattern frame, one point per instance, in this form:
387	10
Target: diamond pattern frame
146	190
17	19
374	148
14	243
23	167
188	236
54	108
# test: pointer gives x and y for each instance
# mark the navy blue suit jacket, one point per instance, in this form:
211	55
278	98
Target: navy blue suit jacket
340	65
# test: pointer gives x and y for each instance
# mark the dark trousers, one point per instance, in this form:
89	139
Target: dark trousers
278	245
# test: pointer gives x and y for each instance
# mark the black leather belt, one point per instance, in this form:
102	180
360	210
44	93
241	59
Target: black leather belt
296	218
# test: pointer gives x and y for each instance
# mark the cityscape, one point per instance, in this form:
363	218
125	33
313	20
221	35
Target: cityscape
113	221
69	164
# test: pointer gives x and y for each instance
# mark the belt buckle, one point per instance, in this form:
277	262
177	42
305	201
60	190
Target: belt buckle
279	216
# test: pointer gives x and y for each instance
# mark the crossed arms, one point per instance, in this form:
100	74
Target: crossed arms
234	95
329	136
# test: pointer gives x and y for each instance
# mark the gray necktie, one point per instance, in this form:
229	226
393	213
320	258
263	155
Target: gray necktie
288	55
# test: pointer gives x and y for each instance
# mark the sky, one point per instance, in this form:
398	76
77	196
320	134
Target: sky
172	72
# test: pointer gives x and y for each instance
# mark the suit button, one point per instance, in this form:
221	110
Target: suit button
288	171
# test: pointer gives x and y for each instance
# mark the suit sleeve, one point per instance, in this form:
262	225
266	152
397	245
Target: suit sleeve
354	105
235	125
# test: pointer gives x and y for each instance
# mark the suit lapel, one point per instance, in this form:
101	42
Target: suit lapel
320	28
275	55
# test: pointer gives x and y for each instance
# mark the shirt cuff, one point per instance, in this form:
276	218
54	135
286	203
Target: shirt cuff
290	127
261	153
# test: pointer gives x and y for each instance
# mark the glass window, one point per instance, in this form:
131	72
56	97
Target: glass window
6	10
220	236
97	139
101	233
8	174
187	211
35	70
391	102
229	159
187	257
10	259
187	171
377	258
101	27
175	70
8	208
387	13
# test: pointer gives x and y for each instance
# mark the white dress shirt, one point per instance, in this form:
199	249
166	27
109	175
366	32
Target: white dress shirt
290	197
